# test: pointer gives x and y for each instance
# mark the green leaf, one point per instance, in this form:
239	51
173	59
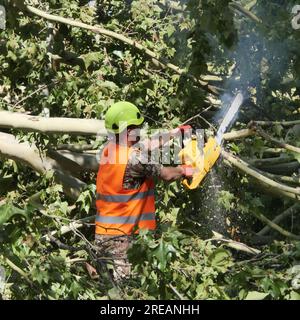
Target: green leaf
7	211
160	254
296	155
255	295
118	53
220	259
294	295
91	57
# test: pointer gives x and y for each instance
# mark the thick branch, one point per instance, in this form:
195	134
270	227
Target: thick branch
120	37
245	12
281	144
71	126
270	161
278	188
273	123
11	148
75	147
276	227
288	179
16	268
233	135
295	208
65	163
84	160
283	168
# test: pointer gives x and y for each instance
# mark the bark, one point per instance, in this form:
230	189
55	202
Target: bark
70	126
29	155
85	161
281	144
273	123
75	147
287	213
271	185
245	12
233	135
70	227
287	179
276	227
270	161
283	168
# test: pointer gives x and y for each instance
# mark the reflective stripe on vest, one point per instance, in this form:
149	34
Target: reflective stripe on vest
125	198
128	220
121	210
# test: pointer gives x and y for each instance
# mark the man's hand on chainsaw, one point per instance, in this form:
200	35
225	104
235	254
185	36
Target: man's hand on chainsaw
174	173
187	170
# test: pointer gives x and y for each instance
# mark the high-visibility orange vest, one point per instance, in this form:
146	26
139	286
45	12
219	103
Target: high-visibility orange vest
119	210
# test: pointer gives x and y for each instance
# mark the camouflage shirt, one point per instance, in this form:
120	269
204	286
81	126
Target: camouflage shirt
138	168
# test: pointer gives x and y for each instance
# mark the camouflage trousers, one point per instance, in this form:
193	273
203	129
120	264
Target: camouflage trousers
112	255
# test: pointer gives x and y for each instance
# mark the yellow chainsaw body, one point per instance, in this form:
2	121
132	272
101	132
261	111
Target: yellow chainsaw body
201	162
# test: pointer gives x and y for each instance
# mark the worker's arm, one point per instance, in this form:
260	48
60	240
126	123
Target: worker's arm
174	173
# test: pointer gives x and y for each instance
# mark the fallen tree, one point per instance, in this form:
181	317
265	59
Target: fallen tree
271	185
29	155
53	125
74	162
294	209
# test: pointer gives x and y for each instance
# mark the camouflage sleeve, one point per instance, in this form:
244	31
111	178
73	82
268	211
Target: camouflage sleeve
139	165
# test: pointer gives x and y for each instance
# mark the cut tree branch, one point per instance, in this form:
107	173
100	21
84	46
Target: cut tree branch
68	228
84	160
270	161
28	154
281	144
234	244
287	179
244	11
273	186
295	208
70	126
274	123
233	135
275	226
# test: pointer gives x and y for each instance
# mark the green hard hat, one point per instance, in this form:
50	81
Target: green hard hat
120	115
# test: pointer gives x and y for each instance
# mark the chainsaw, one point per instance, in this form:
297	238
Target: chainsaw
202	159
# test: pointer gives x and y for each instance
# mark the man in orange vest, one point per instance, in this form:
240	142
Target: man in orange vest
125	187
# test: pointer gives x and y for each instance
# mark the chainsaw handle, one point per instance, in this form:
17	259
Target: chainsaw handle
184	128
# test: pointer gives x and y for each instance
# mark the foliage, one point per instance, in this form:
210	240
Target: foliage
73	72
198	269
